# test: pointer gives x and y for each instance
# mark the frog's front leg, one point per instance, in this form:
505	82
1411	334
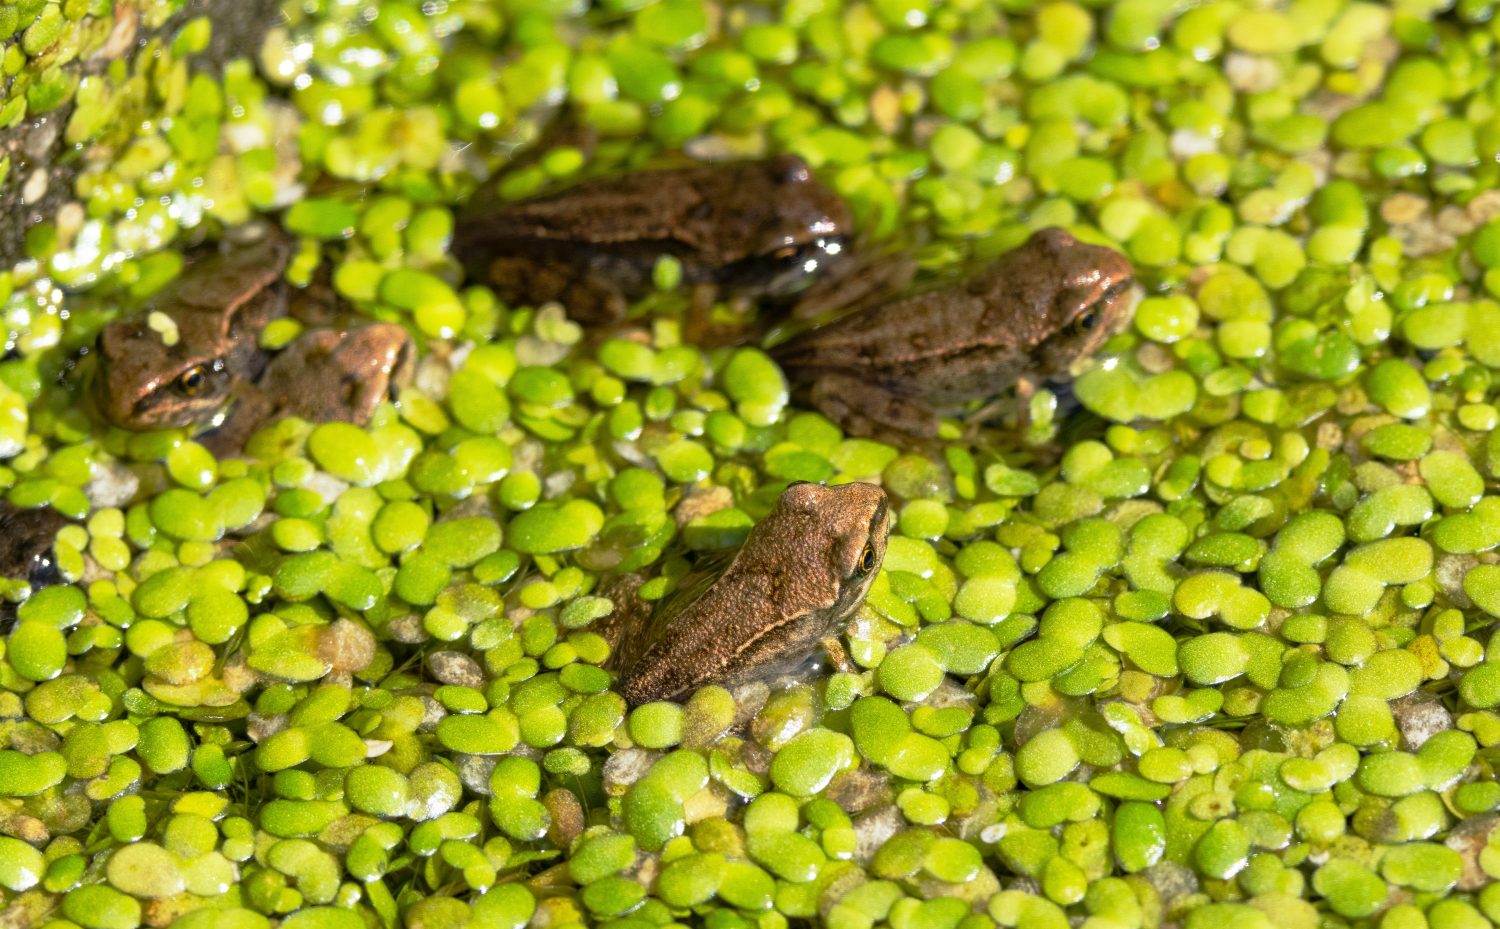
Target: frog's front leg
249	410
868	410
1013	402
838	655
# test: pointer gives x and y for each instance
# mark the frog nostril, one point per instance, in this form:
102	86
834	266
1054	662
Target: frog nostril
793	170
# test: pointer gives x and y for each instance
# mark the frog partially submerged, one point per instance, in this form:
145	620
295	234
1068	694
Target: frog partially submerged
763	229
1022	319
801	574
192	358
26	539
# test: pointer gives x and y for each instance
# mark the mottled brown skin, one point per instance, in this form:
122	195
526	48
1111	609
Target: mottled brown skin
1022	319
220	304
26	539
215	378
326	375
801	574
756	229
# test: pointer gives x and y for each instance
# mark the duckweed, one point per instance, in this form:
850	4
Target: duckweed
1206	638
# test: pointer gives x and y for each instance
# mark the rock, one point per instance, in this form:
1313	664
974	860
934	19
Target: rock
859	790
1171	881
456	668
1469	838
567	816
1420	716
874	829
474	771
625	768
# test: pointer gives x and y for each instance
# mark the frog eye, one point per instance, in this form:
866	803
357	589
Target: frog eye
1086	322
192	381
867	560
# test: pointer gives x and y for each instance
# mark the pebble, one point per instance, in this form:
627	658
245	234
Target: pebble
1419	717
456	668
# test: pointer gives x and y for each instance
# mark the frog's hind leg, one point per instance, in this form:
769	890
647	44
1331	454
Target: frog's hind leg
626	624
588	298
317	304
698	323
870	411
866	280
553	126
358	352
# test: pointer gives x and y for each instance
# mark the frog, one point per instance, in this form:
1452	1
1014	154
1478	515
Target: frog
763	229
791	588
191	358
27	535
891	368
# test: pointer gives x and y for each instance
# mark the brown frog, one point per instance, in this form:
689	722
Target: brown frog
761	229
1020	320
192	358
26	540
801	574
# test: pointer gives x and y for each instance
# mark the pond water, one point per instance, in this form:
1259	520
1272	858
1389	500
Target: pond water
1202	638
